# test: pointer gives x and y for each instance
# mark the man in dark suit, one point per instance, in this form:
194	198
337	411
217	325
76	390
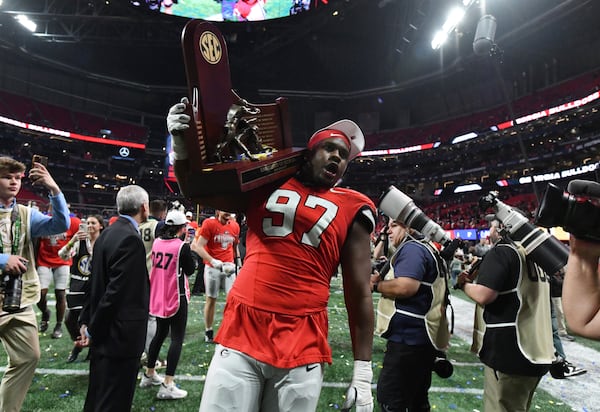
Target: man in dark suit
113	323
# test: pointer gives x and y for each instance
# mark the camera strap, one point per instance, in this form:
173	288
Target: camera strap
442	269
14	232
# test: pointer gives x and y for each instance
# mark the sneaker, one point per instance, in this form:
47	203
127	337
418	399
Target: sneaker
208	336
57	333
572	370
563	369
170	392
45	319
153	380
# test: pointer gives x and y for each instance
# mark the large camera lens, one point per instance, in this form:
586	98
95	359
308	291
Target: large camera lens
545	250
13	287
398	206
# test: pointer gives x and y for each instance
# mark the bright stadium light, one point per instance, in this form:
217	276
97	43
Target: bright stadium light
439	39
25	22
454	18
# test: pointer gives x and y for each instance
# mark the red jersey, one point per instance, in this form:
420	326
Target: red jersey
221	238
50	245
280	296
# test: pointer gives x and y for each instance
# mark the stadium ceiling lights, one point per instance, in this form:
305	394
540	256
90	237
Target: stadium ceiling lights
25	22
454	18
464	137
467	188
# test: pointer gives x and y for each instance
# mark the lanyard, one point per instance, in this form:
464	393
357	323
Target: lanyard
15	227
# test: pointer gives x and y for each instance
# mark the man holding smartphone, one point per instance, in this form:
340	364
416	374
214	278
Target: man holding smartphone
18	226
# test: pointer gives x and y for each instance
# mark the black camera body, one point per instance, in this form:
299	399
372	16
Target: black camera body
574	209
11	284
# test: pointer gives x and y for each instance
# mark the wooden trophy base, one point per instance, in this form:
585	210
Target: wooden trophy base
225	182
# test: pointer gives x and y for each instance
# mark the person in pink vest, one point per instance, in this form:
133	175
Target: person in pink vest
172	263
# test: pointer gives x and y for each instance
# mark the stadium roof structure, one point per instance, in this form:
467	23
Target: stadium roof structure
376	52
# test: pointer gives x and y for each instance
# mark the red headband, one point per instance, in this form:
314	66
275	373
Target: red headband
327	134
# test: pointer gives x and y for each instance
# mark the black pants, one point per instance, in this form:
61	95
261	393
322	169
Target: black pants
176	324
72	324
405	378
112	384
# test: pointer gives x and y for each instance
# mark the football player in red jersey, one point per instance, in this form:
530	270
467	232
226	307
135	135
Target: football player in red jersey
217	245
272	343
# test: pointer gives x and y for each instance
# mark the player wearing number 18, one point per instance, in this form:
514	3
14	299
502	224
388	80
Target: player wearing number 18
272	343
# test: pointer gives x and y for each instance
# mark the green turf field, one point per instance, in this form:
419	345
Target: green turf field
60	386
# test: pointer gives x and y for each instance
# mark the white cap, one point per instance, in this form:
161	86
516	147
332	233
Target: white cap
175	218
188	213
352	132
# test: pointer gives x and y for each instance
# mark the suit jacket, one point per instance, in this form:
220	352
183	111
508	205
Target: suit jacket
117	310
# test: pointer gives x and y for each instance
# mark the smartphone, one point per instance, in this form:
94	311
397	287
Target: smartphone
39	159
83	227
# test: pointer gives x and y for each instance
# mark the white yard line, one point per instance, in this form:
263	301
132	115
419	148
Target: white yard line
190	378
579	392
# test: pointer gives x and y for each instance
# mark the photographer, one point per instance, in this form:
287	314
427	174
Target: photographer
411	316
581	288
18	225
517	347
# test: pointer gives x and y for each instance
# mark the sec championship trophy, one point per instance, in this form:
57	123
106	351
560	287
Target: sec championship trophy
234	146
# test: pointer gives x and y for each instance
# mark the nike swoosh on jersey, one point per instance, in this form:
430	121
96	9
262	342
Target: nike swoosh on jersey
332	190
